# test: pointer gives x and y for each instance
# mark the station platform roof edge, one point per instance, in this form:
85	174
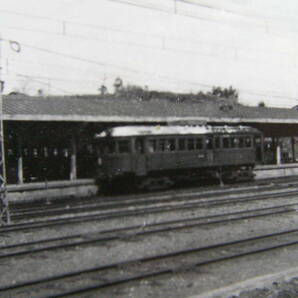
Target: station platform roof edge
92	109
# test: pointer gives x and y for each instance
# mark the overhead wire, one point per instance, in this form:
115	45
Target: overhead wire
97	26
125	2
70	35
53	65
165	47
102	75
161	37
51	85
179	12
263	93
95	62
247	14
222	9
243	90
152	7
152	75
85	60
80	80
78	58
131	3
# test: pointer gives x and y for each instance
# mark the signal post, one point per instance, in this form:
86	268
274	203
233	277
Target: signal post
4	205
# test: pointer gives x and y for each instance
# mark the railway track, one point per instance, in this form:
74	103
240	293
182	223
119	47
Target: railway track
110	275
101	277
165	206
124	233
161	202
33	210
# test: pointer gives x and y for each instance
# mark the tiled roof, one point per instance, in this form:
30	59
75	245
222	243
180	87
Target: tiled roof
92	109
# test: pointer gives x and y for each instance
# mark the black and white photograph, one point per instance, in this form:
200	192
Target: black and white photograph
149	148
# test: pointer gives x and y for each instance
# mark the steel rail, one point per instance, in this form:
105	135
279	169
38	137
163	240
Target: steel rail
159	257
137	231
172	200
136	201
118	214
170	270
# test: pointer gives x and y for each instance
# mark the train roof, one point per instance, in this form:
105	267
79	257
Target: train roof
125	131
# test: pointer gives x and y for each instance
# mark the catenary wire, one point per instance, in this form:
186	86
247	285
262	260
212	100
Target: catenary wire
162	37
137	71
166	47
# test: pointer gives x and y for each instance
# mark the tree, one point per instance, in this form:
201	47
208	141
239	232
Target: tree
103	90
225	92
133	92
40	92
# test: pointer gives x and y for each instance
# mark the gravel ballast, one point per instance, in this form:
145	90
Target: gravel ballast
237	276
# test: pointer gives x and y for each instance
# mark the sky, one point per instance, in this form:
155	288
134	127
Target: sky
66	47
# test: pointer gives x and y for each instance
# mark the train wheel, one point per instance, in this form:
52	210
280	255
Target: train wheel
240	174
105	188
158	183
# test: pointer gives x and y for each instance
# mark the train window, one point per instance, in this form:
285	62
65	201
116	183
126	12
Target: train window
99	149
217	142
181	144
123	146
234	142
10	152
161	145
55	152
248	142
209	143
226	142
199	143
151	146
26	152
110	147
171	145
45	152
65	152
35	152
241	142
139	146
90	148
190	144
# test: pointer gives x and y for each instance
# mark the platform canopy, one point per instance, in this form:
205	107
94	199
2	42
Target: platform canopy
52	138
96	109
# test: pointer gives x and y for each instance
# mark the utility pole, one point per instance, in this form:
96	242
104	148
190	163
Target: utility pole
4	206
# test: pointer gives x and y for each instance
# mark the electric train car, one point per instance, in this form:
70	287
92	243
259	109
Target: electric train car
153	157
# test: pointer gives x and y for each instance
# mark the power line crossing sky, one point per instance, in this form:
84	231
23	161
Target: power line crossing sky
72	46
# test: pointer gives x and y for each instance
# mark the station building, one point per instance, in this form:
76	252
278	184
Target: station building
49	141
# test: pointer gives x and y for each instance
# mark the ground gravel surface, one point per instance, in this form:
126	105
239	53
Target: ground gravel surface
192	282
275	290
141	220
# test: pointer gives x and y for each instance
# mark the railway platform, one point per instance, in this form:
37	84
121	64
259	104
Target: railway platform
275	171
51	190
87	187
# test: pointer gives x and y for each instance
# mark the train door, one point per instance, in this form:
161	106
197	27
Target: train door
140	157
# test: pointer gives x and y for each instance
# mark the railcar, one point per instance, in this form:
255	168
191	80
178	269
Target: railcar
153	157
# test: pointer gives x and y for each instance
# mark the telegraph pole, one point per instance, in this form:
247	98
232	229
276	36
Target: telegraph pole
4	206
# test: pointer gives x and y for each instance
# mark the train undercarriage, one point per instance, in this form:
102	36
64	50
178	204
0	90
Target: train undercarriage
159	180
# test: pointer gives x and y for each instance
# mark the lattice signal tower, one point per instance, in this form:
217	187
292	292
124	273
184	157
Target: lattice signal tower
4	205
